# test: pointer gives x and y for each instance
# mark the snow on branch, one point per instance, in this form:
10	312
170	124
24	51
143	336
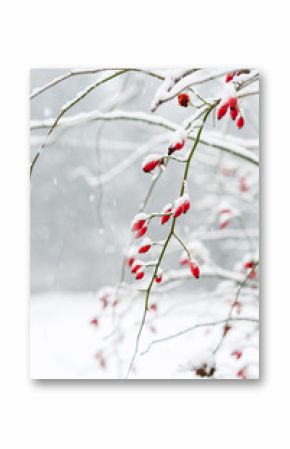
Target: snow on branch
39	90
66	107
205	271
210	138
170	89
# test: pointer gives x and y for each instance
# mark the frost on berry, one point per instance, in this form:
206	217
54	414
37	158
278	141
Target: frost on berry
225	215
233	102
166	211
158	277
131	256
142	231
145	246
249	264
181	205
183	99
151	162
136	266
199	253
138	221
140	274
139	225
177	141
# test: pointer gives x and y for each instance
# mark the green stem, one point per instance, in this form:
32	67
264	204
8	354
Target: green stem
170	234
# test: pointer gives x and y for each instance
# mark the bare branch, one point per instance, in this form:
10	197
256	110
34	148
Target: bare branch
196	326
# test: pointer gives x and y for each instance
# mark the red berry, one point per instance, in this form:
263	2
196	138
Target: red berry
234	113
252	274
130	261
178	211
240	122
249	264
183	100
158	278
186	206
237	354
145	246
165	218
140	274
233	102
194	270
224	224
242	373
222	110
94	321
243	184
230	77
153	307
176	147
149	166
138	222
104	301
227	328
184	262
144	249
142	231
225	211
136	267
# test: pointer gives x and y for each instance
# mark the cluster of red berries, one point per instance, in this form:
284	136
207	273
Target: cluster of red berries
140	226
232	105
138	268
181	206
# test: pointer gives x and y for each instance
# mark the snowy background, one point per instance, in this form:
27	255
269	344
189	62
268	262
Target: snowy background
83	199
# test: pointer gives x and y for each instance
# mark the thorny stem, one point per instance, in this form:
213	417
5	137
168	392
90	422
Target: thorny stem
171	231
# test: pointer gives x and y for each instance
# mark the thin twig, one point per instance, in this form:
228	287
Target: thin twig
196	326
66	108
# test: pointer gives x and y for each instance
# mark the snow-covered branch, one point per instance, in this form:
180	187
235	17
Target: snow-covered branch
209	138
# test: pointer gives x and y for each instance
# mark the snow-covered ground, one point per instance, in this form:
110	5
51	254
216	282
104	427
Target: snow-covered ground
63	343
